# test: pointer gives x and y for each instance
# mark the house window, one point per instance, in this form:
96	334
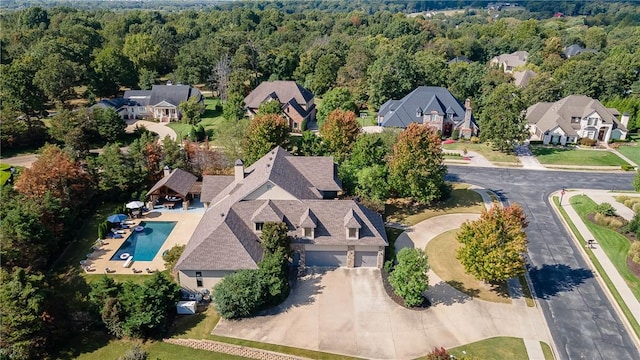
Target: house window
308	233
575	119
295	125
590	121
259	226
199	278
352	233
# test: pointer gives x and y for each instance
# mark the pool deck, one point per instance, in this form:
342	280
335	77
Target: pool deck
186	222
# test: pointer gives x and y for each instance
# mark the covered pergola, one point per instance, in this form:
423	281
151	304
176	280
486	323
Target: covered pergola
177	184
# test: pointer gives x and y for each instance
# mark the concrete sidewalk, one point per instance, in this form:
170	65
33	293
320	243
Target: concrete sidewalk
612	273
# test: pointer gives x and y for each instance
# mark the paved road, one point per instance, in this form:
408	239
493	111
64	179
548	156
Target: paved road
582	321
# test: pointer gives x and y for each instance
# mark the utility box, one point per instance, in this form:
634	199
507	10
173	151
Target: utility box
186	307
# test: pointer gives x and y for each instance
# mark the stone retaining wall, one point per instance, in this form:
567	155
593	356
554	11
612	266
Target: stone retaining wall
246	352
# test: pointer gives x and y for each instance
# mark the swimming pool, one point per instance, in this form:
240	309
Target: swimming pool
144	245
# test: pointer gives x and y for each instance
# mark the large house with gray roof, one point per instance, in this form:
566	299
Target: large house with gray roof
160	103
431	106
297	102
300	191
574	117
508	62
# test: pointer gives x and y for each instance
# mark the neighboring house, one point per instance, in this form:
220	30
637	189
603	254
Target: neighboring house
576	49
522	78
160	103
459	59
431	106
574	117
296	101
300	191
508	62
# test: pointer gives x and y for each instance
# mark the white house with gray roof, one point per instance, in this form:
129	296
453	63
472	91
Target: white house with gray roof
160	103
431	106
573	117
299	191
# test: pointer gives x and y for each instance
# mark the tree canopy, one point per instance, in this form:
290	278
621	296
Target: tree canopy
263	134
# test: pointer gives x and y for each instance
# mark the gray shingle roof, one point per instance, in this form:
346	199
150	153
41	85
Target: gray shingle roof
576	49
178	181
283	90
400	113
522	78
224	239
547	116
172	94
212	185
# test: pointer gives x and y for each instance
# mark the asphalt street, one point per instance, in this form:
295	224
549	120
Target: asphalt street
582	321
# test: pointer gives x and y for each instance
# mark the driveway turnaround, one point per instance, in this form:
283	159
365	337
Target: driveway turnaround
347	311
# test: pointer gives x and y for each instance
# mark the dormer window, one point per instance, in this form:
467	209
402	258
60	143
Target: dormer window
352	233
307	233
418	112
352	225
258	226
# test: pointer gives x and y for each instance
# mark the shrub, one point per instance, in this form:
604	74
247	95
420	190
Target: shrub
587	142
172	256
627	167
409	279
456	134
135	353
438	354
535	142
634	252
608	221
103	230
388	266
606	209
475	140
239	295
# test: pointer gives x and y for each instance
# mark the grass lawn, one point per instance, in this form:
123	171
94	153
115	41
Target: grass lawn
596	264
198	326
5	174
632	152
561	156
496	348
615	245
462	200
546	350
484	150
210	119
442	258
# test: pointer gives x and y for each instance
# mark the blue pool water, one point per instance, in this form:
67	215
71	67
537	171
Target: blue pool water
144	245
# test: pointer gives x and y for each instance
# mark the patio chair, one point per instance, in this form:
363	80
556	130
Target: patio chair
117	236
108	270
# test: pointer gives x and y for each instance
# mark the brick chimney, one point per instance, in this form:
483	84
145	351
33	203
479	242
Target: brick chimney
625	119
166	170
238	170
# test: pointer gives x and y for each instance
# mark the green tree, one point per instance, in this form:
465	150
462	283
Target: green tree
111	70
57	77
263	134
76	129
270	108
502	119
18	90
340	132
494	246
432	68
409	278
109	124
274	238
338	98
324	76
230	136
18	130
273	272
416	168
172	256
142	50
147	78
239	295
391	76
232	109
191	110
310	145
372	182
23	298
174	155
114	172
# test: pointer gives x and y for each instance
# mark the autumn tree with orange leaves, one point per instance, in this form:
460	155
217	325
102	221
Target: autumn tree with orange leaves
57	174
494	246
339	132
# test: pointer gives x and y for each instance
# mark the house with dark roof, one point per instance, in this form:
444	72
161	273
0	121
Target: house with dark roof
160	103
178	184
299	191
576	49
573	117
296	101
459	59
508	62
431	106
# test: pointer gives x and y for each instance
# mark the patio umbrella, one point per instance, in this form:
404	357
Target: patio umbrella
116	218
135	205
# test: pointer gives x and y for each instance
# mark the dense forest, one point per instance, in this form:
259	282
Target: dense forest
57	60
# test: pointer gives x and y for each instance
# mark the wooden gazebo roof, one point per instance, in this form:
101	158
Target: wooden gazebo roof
178	181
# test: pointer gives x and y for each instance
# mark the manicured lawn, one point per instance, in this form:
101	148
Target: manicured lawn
4	173
561	156
182	130
210	119
484	150
462	200
198	326
496	348
632	152
546	350
442	258
599	269
614	244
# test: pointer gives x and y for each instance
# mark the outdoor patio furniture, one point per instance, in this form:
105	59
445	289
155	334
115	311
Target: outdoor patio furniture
108	270
169	205
89	268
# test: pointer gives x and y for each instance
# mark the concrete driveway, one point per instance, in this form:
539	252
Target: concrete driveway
347	311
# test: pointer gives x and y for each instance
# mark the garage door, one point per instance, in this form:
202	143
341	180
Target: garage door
366	259
326	258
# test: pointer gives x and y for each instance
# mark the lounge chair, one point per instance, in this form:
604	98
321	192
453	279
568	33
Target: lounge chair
117	236
89	268
108	270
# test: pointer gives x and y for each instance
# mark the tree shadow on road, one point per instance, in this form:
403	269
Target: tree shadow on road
553	279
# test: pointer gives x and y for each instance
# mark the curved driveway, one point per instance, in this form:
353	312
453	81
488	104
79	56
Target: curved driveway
581	319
